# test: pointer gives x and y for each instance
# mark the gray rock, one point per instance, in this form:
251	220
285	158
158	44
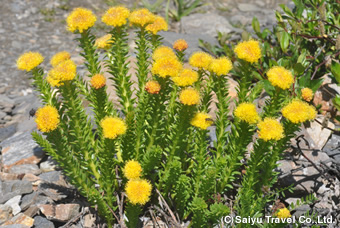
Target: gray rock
301	210
332	147
14	204
34	198
15	226
6	102
25	168
5	213
337	159
2	114
6	132
246	7
42	222
208	24
51	177
60	212
48	165
9	189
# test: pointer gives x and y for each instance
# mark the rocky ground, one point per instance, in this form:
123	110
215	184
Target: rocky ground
34	193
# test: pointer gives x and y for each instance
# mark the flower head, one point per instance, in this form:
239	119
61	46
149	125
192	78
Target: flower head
270	129
132	170
247	112
200	60
80	19
158	25
64	71
307	94
60	57
112	127
283	213
187	77
221	66
163	51
202	120
298	111
47	118
104	42
30	60
280	77
116	16
98	81
180	45
138	191
167	67
53	82
152	87
141	17
249	51
189	96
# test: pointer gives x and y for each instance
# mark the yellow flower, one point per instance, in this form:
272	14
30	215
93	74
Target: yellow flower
247	112
142	17
158	25
221	66
47	118
200	60
163	51
152	87
270	129
132	170
116	16
29	60
53	82
112	127
64	71
189	96
104	42
180	45
283	213
60	57
249	51
187	77
138	191
98	81
80	19
280	77
202	120
298	111
166	67
307	94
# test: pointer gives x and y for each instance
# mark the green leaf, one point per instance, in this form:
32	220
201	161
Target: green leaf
336	71
284	41
298	68
268	87
256	25
287	10
336	102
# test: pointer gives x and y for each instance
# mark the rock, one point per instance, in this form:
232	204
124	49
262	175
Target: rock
42	222
60	212
246	7
54	177
9	176
332	146
301	210
2	114
21	149
34	198
14	204
15	226
89	221
5	213
337	159
31	177
21	219
6	102
48	165
9	189
6	132
208	24
317	157
32	211
25	168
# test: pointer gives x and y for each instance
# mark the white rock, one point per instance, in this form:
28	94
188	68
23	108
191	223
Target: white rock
14	204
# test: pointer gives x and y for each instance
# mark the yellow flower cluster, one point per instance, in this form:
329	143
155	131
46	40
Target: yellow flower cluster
307	94
98	81
180	45
249	51
30	60
247	112
138	191
158	25
153	87
80	19
116	16
280	77
220	66
187	77
270	129
298	111
113	127
200	60
104	42
189	96
141	17
166	66
64	71
60	57
283	213
47	119
163	51
202	120
132	170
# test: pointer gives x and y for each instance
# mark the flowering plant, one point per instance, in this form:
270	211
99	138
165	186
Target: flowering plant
152	149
